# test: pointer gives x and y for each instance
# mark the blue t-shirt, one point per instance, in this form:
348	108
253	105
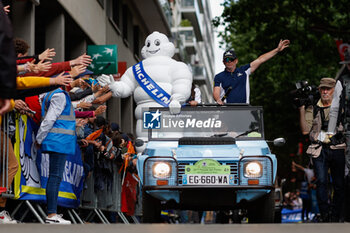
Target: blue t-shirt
238	80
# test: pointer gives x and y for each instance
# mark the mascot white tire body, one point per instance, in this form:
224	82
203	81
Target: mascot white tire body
172	76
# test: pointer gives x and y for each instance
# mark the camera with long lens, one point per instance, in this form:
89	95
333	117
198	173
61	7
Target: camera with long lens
305	94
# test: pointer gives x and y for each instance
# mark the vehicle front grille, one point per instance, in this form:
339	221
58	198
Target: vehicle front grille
233	168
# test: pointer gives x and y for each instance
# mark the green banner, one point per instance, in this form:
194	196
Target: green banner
207	166
104	59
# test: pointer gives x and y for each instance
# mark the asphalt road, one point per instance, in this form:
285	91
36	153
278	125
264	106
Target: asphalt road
181	228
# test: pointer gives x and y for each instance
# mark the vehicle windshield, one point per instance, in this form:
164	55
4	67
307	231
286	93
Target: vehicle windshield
240	122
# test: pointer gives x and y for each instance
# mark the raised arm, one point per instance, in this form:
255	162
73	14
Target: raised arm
267	56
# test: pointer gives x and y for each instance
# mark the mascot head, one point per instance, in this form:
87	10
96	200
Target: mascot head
157	44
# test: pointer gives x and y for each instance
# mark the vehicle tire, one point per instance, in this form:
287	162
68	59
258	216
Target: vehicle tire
278	216
150	209
263	209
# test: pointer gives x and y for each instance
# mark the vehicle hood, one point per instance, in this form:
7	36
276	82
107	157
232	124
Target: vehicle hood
241	148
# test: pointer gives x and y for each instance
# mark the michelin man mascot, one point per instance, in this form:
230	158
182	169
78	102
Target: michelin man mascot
157	81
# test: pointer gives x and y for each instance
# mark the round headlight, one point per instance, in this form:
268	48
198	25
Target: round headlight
161	170
253	170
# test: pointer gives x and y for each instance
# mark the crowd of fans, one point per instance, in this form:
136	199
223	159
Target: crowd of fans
98	138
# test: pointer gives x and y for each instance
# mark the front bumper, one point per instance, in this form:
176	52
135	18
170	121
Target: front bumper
207	197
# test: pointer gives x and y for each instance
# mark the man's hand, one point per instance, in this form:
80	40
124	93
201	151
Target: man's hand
84	105
62	79
282	45
100	109
193	103
102	91
7	9
47	55
21	106
219	102
84	143
84	60
76	70
42	66
95	88
81	122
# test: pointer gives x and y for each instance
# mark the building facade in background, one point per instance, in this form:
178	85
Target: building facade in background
70	26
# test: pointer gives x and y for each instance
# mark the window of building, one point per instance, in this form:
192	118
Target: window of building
116	12
125	15
136	41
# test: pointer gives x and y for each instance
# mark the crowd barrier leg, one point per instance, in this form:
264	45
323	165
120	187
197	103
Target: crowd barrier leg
24	215
34	212
89	216
135	219
71	217
41	211
103	216
16	209
122	216
100	216
76	215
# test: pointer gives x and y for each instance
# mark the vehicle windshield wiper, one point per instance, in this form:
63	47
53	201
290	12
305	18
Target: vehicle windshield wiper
218	135
247	132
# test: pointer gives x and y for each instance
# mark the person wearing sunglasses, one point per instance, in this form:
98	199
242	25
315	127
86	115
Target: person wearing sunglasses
232	84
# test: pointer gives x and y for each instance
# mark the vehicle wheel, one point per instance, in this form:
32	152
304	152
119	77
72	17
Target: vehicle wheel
278	216
222	217
263	209
150	208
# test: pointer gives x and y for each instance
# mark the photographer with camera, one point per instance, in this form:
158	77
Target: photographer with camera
340	113
327	153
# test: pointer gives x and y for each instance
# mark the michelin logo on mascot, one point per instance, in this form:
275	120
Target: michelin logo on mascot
157	81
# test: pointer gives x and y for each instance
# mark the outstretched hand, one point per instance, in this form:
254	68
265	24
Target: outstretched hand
84	60
47	54
282	45
76	70
7	9
42	66
62	79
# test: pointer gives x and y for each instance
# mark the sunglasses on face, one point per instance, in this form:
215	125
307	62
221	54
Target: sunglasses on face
228	59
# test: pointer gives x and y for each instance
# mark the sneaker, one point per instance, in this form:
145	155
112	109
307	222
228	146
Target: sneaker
5	218
57	219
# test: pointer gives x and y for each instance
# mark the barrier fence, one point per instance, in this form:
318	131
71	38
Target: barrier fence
5	188
84	198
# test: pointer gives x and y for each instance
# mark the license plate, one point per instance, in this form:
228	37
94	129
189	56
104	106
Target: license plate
199	179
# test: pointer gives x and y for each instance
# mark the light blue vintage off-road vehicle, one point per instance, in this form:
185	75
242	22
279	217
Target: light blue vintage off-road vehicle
208	158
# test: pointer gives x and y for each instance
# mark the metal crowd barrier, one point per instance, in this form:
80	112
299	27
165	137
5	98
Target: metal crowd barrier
106	200
5	187
95	203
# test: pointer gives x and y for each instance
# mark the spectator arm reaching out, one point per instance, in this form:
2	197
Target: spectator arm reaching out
84	60
47	55
102	99
76	70
100	109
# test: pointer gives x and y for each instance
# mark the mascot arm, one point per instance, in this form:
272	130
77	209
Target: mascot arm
182	83
125	87
181	90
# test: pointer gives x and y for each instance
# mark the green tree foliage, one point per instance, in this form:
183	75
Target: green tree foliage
255	27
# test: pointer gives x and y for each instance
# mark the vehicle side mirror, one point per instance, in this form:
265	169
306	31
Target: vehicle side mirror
279	142
139	142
